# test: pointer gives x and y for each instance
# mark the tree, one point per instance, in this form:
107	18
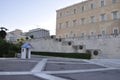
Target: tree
18	40
21	39
3	32
8	49
31	36
27	38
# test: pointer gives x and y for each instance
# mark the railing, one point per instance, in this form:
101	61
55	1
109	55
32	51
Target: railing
92	37
80	38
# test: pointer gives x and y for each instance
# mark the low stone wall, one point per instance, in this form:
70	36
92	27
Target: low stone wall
50	45
108	47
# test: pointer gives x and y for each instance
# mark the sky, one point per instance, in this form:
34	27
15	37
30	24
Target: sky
31	14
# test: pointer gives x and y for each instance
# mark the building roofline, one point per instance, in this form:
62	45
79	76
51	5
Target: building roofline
38	29
73	5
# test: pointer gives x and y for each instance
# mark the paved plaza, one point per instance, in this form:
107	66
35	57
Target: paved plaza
54	68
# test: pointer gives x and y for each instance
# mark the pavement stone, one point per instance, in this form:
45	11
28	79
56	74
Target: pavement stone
6	65
19	77
63	66
67	61
98	75
55	68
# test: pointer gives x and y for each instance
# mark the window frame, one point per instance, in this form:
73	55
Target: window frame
74	11
92	33
116	28
74	23
103	17
83	8
92	19
67	24
60	14
114	1
83	21
104	32
115	15
60	25
67	13
91	6
83	34
102	3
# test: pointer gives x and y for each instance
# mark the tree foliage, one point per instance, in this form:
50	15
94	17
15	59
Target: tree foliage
31	36
3	32
8	49
27	38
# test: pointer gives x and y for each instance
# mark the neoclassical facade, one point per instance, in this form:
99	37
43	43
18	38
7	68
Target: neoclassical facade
89	18
38	33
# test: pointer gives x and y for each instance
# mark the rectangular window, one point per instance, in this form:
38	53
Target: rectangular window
115	15
116	32
74	11
102	3
92	34
91	6
83	8
103	32
83	35
67	24
60	14
113	1
67	13
91	19
74	35
83	21
66	36
102	17
60	25
74	22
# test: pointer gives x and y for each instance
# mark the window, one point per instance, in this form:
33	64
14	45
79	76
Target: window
113	1
92	34
74	35
60	14
103	32
60	25
83	21
74	11
91	19
74	22
116	32
102	3
66	36
102	17
83	8
83	35
115	15
91	6
67	24
67	13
